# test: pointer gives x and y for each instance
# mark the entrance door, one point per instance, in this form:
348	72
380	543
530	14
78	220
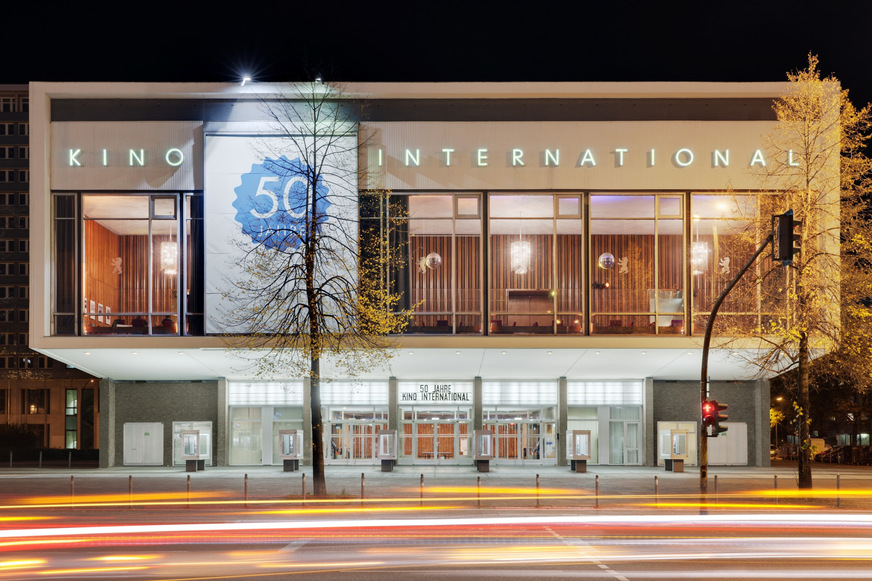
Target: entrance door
143	444
436	437
624	442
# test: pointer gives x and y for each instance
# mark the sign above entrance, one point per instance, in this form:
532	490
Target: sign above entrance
440	392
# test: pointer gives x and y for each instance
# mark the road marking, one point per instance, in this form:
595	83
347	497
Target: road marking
587	554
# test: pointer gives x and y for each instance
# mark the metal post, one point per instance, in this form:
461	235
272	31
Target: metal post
72	491
304	490
597	492
775	486
703	381
189	491
245	490
130	489
716	488
40	458
479	491
422	490
537	490
838	486
362	487
656	491
10	458
69	459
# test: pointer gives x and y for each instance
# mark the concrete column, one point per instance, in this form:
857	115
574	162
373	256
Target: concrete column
476	404
221	437
107	423
562	421
307	421
393	405
649	426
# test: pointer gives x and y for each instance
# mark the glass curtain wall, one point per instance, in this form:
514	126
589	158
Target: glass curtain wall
725	231
637	264
132	259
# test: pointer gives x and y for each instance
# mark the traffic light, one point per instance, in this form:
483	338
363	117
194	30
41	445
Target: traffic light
785	239
712	417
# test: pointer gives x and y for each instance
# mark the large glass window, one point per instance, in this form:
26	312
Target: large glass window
637	263
134	264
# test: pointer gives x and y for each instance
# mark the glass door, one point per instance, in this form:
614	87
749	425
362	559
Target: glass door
436	436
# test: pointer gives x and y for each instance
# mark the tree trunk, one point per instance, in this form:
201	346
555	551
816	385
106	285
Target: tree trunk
803	456
319	481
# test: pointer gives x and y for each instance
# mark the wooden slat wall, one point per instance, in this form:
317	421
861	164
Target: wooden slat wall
569	282
432	288
134	281
101	286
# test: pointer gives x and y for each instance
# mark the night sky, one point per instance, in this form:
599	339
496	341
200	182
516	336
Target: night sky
438	41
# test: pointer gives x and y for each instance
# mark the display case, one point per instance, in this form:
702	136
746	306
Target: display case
673	449
387	449
483	449
194	450
578	449
290	449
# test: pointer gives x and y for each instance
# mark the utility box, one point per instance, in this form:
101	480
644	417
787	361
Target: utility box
673	449
290	449
387	449
483	449
578	449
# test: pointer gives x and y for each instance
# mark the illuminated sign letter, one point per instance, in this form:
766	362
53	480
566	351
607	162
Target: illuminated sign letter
517	157
175	157
140	159
416	159
379	157
721	157
651	158
790	160
447	151
687	156
105	157
74	158
620	155
758	159
552	157
587	157
481	157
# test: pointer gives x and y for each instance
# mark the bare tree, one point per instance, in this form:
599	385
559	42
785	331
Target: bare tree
309	288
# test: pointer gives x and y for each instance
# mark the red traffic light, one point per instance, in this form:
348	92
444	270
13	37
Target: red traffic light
709	412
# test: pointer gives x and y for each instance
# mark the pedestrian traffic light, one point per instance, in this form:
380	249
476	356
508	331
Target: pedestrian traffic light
785	239
712	416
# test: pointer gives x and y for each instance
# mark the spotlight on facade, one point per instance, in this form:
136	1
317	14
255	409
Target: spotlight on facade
245	79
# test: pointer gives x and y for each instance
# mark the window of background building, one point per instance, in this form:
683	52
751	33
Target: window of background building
35	401
71	416
4	401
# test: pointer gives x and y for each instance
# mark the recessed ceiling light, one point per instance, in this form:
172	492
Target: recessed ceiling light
134	353
181	353
644	353
457	352
502	352
87	352
597	353
549	352
411	352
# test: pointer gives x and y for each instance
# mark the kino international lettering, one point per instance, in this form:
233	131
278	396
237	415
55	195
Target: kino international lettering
436	393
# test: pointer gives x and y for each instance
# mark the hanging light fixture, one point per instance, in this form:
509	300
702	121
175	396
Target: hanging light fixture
699	252
520	252
169	258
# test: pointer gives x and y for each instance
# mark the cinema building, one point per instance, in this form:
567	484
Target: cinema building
565	245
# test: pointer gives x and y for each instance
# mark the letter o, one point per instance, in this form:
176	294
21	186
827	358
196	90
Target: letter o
174	153
689	155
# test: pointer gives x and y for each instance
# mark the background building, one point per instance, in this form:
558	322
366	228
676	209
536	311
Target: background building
564	245
56	403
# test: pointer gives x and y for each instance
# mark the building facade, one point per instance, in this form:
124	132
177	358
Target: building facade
562	247
57	404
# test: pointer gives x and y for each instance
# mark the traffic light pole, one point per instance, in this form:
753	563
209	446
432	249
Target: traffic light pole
703	383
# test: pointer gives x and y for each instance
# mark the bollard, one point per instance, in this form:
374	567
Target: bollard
69	460
716	488
656	491
189	491
304	490
245	489
422	490
597	492
130	489
775	486
362	487
10	458
838	498
40	458
537	490
479	491
72	491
